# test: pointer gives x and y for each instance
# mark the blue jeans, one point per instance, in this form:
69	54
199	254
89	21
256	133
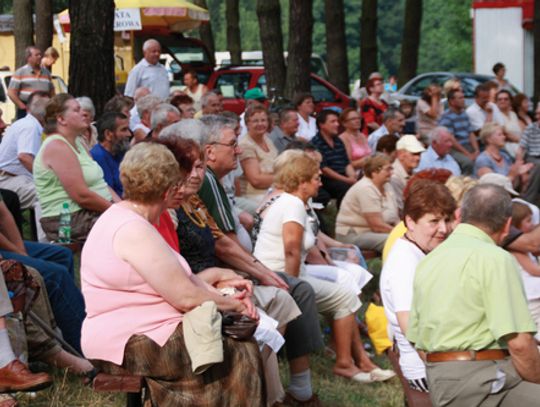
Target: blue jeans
55	264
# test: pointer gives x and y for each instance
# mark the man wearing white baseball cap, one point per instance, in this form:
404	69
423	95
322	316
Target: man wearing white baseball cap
408	150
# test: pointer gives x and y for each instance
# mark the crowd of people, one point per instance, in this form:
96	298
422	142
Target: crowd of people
189	214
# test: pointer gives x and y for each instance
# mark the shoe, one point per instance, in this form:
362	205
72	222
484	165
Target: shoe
380	375
292	401
362	377
16	377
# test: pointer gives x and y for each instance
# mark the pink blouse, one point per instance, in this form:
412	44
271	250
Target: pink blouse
359	150
119	302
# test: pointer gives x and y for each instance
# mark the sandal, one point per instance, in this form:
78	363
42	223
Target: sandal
7	400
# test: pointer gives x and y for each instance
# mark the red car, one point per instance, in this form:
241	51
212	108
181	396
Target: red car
233	82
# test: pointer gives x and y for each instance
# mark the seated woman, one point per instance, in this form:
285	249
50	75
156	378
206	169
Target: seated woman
511	124
134	315
258	155
494	158
429	210
369	209
285	237
65	173
89	134
355	141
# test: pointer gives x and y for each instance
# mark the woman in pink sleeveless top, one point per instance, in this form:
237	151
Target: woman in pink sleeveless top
355	141
137	289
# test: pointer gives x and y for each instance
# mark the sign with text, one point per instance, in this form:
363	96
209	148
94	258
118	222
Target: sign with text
126	19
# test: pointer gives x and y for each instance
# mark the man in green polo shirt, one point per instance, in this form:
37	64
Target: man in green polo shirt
470	316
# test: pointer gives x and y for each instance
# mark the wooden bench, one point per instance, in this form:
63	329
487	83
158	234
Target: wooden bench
413	398
133	386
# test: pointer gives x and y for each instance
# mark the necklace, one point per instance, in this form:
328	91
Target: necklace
197	219
498	159
414	243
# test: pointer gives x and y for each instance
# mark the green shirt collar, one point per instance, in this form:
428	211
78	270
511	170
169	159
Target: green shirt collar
467	229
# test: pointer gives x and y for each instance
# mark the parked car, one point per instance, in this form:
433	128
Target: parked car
8	107
223	59
413	89
234	81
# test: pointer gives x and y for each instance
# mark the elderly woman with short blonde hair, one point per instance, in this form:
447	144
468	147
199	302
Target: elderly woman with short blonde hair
135	314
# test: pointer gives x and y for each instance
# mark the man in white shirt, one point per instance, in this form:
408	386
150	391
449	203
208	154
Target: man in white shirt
483	111
149	73
20	144
393	123
438	153
408	150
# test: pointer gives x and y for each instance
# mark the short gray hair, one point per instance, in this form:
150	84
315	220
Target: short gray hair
390	114
147	104
215	124
437	133
87	105
488	206
160	114
206	97
148	43
187	129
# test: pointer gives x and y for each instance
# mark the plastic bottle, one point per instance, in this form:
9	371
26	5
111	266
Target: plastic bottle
64	226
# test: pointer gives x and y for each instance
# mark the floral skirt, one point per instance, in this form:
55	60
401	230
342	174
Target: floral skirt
238	381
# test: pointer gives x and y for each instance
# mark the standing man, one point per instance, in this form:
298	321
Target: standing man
465	145
285	132
194	89
337	173
28	79
469	312
113	142
149	73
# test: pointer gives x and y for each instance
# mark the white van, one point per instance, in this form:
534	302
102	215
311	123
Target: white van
223	58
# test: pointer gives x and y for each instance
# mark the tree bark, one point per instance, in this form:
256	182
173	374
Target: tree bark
368	40
91	67
269	14
23	29
234	44
536	33
411	41
336	45
44	24
300	45
206	34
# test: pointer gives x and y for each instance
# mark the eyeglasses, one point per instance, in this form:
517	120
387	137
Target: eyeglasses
234	144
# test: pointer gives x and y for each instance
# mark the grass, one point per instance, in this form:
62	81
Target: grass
333	391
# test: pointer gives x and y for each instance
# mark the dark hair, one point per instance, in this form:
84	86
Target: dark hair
519	212
497	67
507	92
371	82
386	144
299	98
453	92
300	145
118	103
108	121
483	87
518	101
488	206
178	100
56	106
323	115
427	196
186	151
192	72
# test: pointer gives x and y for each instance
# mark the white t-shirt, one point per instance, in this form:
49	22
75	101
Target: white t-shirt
22	137
397	278
477	116
306	130
269	248
530	283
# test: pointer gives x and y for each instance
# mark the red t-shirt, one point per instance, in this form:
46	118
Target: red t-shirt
165	227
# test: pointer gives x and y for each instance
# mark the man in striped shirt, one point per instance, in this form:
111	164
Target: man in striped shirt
28	79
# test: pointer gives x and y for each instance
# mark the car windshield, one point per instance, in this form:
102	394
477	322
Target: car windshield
190	55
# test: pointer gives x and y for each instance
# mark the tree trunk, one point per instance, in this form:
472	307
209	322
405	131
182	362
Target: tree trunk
411	41
91	47
336	45
234	44
206	34
44	24
23	29
536	33
269	14
300	44
368	40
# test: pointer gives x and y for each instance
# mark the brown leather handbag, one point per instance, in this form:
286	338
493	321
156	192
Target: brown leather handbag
237	326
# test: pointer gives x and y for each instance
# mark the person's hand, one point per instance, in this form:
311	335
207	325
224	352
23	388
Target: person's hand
272	279
488	108
525	168
247	306
240	284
